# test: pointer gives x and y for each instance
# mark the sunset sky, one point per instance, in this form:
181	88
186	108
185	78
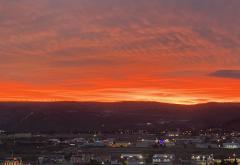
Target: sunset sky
175	51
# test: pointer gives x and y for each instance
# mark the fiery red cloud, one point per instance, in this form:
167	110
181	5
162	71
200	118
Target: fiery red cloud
79	50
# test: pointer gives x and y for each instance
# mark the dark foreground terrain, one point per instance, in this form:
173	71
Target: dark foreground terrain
74	116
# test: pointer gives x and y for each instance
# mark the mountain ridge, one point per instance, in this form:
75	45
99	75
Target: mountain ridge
85	116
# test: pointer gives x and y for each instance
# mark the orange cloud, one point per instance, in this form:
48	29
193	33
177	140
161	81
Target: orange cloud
119	50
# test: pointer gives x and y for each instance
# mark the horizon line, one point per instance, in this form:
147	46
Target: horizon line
112	102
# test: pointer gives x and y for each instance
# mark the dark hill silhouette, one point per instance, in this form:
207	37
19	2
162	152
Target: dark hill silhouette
84	116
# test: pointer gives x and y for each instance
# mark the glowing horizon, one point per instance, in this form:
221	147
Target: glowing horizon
184	52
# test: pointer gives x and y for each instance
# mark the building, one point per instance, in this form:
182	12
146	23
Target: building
81	158
102	158
173	133
13	161
189	140
163	159
76	141
199	159
207	145
145	143
169	143
51	159
231	145
97	143
85	158
109	141
133	159
115	162
121	144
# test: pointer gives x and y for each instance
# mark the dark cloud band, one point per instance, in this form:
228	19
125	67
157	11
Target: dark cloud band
226	74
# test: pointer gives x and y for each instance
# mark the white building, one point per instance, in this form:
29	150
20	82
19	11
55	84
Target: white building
163	159
199	159
231	145
133	159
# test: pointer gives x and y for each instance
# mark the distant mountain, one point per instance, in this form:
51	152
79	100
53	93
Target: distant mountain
84	116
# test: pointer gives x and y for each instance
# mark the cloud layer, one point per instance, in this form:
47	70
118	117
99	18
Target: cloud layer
60	48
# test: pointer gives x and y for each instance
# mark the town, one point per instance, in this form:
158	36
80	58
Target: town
181	147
